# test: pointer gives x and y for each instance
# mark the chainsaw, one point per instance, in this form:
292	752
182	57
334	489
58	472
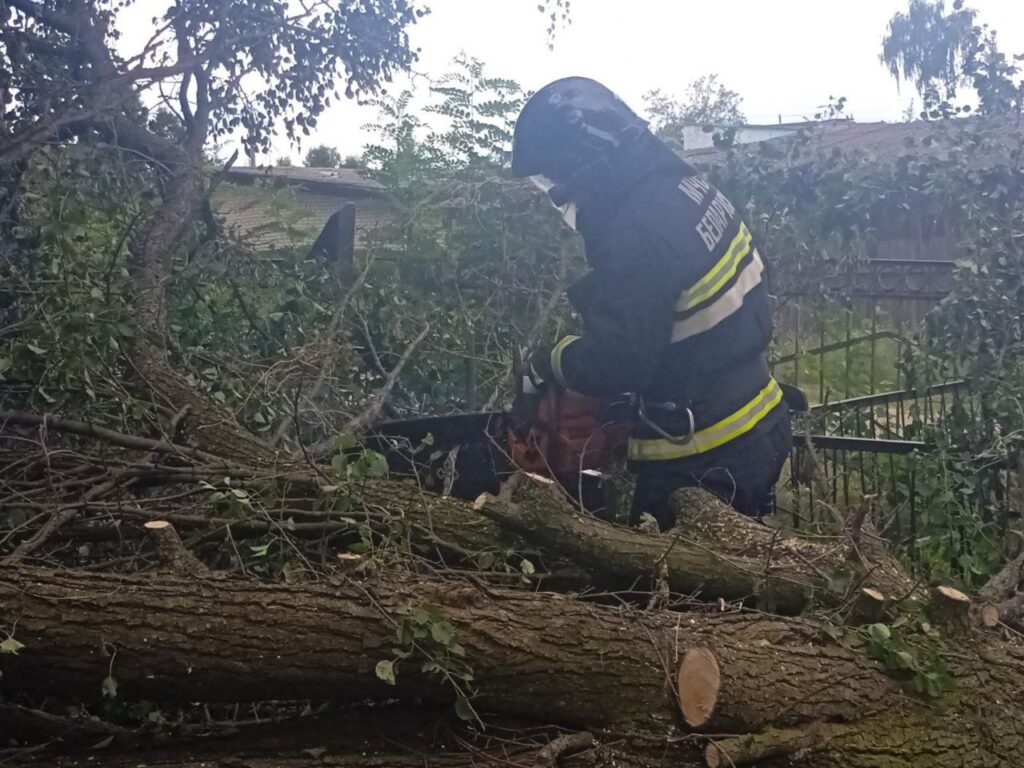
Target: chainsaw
563	435
571	438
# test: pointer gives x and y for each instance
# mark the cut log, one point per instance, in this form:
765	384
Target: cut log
710	522
989	615
171	551
714	552
547	658
697	685
951	608
1011	611
868	606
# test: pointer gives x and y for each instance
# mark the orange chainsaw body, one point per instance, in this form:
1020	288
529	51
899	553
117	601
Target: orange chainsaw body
567	433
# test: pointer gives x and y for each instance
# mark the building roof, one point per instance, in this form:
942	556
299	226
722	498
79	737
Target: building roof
343	180
877	139
273	208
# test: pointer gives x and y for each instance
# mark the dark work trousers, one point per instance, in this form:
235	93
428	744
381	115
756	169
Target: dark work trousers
742	474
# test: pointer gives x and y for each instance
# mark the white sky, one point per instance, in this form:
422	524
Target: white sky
783	56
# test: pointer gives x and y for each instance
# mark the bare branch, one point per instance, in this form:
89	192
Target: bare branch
367	417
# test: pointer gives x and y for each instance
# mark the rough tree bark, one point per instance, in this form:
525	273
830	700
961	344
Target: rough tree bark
784	687
714	551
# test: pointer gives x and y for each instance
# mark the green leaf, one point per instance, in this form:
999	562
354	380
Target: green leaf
904	660
527	567
109	687
443	632
485	561
339	463
37	350
345	442
463	709
879	633
385	670
10	645
360	548
376	464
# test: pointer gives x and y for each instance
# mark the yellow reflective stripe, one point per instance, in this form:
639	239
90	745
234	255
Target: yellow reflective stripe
736	424
722	307
720	274
556	358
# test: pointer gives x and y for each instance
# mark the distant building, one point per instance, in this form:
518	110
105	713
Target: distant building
274	208
700	136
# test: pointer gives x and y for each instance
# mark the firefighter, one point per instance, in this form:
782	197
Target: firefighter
675	308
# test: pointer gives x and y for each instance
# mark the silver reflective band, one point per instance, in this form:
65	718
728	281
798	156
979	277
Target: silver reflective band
569	215
720	274
724	305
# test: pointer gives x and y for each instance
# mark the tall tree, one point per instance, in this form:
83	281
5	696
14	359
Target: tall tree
706	103
323	156
941	52
241	69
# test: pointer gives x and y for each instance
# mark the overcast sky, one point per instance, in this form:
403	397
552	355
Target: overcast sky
785	57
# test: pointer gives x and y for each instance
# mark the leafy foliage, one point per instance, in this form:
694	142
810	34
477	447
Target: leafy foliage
426	633
707	103
323	156
940	52
485	258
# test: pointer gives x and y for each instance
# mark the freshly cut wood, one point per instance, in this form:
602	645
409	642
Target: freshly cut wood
868	606
1011	611
697	684
171	551
990	615
950	607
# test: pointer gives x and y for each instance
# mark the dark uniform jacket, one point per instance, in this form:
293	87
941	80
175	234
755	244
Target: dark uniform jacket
675	309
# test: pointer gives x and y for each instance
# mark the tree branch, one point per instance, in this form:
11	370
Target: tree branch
367	417
101	433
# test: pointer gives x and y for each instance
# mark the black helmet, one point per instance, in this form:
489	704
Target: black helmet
570	125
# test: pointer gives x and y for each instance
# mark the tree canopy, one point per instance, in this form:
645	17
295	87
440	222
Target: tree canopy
941	51
706	103
323	156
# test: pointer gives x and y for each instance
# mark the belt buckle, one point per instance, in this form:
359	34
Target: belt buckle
674	439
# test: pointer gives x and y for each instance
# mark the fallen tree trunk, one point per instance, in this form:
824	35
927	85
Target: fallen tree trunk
618	672
714	552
